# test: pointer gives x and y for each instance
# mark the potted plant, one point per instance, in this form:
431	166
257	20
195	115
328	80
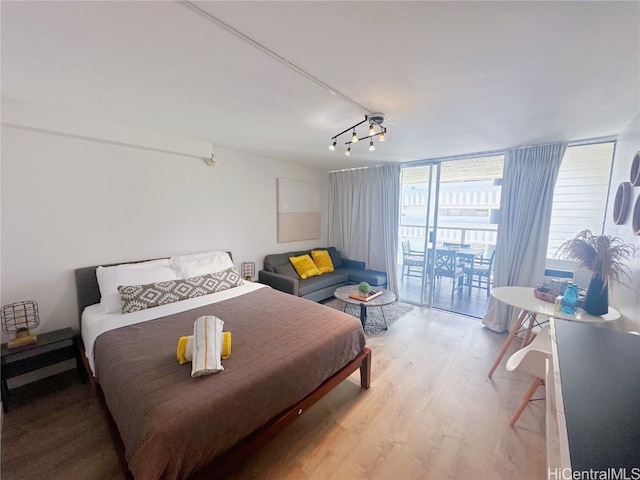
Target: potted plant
364	288
605	256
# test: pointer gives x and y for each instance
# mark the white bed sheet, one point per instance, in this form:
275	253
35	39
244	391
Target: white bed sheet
95	322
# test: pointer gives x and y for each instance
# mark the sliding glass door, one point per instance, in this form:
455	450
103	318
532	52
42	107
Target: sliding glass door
449	214
418	215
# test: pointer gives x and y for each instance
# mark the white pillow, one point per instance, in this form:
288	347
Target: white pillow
188	266
110	278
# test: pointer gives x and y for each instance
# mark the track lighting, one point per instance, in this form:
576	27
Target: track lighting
373	119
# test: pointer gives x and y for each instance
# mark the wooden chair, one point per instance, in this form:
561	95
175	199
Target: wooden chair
412	259
447	264
531	359
479	275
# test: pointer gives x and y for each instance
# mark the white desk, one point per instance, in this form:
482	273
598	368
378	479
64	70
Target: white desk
531	306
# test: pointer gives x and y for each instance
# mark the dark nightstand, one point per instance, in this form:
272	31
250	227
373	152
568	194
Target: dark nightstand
51	348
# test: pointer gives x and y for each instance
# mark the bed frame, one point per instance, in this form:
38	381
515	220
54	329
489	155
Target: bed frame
88	293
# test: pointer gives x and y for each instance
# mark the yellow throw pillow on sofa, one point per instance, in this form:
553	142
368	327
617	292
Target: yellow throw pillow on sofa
322	260
304	266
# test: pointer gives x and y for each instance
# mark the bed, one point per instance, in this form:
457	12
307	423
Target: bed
287	353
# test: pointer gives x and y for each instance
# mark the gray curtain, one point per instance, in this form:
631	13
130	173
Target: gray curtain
364	209
525	213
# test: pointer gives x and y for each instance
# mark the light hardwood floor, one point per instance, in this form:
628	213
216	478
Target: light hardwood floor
431	413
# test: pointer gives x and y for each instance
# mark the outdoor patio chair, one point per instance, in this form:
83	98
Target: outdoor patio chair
448	265
412	260
479	275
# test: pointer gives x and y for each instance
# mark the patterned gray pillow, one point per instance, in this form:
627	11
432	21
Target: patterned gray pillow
139	297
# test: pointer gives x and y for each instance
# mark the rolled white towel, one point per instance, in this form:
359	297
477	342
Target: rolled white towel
184	350
207	346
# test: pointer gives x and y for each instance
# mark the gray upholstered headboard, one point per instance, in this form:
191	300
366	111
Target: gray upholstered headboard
87	289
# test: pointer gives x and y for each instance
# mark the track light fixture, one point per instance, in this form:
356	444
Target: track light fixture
374	120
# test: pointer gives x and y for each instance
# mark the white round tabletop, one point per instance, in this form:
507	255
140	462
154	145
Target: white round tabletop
523	298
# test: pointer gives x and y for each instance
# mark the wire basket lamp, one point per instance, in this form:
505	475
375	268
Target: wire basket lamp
248	270
18	318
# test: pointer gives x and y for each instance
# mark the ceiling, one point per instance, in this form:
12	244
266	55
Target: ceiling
451	77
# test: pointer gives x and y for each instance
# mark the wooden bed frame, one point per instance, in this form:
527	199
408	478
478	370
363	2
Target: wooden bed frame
88	293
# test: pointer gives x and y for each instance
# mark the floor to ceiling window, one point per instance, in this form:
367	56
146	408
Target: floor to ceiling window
580	194
457	202
579	198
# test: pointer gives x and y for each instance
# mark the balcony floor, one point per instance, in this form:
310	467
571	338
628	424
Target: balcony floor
472	302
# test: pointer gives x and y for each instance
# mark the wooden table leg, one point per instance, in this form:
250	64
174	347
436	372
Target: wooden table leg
505	345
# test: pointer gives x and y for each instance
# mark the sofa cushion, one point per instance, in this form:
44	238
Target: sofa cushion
322	259
372	277
304	266
274	259
286	269
336	258
335	278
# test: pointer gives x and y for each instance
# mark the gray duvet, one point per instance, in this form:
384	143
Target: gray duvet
283	348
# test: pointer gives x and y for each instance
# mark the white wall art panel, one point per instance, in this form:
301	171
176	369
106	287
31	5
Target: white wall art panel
298	210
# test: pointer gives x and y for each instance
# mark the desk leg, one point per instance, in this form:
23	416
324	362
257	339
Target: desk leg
505	345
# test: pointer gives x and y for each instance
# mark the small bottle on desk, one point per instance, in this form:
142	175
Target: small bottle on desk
557	303
569	302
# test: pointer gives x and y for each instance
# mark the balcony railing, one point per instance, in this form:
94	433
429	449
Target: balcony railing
479	237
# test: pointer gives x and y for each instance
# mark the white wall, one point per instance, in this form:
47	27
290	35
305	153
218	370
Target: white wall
625	298
70	201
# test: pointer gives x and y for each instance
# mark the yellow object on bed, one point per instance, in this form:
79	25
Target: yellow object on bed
184	352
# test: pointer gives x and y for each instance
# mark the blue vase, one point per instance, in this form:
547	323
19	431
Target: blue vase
596	302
